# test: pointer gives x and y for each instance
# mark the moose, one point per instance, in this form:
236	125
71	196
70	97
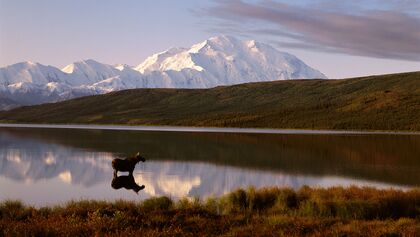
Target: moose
127	165
127	182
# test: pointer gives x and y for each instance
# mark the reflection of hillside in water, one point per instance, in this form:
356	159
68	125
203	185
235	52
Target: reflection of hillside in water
179	179
30	160
288	158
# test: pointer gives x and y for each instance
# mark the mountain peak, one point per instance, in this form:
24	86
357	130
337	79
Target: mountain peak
31	63
153	62
26	64
226	58
223	39
216	43
219	60
71	68
122	67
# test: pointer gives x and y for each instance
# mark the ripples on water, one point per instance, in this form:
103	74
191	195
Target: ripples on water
49	166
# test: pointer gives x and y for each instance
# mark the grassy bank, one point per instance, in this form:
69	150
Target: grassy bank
269	212
387	102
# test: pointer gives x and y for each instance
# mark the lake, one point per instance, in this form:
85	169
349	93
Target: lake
47	166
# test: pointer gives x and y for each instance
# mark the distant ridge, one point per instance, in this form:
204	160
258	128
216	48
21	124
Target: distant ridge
387	102
218	61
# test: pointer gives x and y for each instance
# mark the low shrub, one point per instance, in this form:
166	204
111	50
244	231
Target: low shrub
156	204
268	211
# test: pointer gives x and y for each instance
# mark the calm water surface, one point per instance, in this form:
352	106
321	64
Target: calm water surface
44	166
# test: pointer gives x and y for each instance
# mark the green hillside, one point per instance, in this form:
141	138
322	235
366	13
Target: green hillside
386	102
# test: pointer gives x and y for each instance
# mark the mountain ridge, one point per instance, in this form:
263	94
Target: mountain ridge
386	102
218	61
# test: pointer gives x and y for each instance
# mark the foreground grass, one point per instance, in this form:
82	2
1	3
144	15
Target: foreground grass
265	212
387	102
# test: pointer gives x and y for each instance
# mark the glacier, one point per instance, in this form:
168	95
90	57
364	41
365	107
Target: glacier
217	61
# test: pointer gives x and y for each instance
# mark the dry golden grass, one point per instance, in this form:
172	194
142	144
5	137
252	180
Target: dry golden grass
265	212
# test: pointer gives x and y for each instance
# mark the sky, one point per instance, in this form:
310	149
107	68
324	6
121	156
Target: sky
338	37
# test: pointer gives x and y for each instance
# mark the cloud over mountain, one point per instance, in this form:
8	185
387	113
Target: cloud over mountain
391	33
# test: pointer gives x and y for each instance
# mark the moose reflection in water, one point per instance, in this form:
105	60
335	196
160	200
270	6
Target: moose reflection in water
127	182
126	165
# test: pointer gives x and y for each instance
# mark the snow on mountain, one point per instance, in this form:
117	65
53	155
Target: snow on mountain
89	72
155	62
224	60
29	72
221	60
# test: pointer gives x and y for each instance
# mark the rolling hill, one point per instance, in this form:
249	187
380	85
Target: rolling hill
386	102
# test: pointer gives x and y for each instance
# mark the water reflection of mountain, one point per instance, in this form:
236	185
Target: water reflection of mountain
32	160
383	158
180	179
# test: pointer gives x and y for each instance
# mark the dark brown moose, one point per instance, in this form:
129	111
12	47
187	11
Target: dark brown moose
127	164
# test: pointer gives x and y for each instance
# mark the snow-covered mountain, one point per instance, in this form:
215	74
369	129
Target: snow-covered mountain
221	60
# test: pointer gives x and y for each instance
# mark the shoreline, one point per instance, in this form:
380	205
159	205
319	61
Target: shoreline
163	128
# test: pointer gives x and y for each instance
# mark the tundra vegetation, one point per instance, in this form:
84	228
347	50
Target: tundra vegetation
386	102
273	211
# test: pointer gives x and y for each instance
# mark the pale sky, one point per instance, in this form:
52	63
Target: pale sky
338	37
